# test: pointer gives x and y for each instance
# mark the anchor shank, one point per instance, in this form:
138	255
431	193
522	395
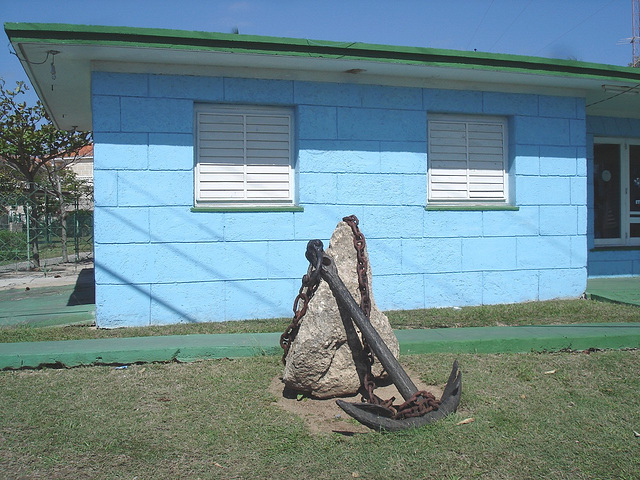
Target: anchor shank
398	376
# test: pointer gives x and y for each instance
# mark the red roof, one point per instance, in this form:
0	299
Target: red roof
86	151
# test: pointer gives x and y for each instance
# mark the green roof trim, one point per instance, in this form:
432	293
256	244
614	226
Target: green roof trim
221	42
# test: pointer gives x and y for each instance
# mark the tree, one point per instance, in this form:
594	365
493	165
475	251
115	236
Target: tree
29	146
66	188
9	187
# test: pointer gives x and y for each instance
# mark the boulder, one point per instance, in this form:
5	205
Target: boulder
327	358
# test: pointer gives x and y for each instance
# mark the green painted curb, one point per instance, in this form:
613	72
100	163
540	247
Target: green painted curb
187	348
520	339
183	348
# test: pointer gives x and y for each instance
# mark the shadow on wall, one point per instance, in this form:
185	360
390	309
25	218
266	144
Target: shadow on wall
184	316
172	257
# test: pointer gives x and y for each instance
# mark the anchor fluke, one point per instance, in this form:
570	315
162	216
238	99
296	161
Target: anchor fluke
380	419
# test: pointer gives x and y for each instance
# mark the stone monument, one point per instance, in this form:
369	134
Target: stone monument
327	358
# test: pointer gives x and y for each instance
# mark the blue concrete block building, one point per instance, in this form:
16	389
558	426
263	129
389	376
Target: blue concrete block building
477	178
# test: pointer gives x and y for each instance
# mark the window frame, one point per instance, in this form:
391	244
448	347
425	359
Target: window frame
626	216
505	198
245	110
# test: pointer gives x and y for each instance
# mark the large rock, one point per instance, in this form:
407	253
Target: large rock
327	359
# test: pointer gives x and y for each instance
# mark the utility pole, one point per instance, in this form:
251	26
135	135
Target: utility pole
635	39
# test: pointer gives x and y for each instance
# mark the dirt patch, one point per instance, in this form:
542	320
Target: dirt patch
324	416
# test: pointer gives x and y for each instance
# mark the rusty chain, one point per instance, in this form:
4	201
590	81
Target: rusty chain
310	282
420	403
360	244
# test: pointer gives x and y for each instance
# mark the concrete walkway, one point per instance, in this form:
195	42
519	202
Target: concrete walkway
48	306
65	296
615	289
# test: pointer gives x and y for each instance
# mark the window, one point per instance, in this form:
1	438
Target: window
467	160
244	156
616	188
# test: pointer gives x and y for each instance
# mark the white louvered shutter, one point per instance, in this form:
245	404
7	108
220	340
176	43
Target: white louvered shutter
467	158
244	156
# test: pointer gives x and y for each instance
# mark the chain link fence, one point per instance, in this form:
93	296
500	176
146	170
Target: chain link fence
34	234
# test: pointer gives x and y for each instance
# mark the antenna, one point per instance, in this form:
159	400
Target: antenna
635	38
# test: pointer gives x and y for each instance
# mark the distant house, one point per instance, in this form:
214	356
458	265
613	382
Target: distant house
478	178
82	166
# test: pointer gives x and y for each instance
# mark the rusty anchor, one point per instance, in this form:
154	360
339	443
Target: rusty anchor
374	416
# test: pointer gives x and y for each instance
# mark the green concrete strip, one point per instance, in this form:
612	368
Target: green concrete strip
520	339
617	289
188	348
184	348
47	306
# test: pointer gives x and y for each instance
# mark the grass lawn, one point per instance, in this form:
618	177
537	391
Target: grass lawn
217	419
533	313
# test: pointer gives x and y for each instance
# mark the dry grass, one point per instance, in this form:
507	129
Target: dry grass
217	419
553	312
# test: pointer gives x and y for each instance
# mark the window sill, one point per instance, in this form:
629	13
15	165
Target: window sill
222	208
471	208
620	248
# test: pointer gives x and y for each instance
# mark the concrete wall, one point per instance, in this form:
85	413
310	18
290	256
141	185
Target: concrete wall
361	150
609	261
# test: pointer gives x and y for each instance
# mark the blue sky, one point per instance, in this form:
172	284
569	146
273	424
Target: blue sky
587	30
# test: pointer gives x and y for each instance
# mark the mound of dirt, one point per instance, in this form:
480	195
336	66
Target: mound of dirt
324	416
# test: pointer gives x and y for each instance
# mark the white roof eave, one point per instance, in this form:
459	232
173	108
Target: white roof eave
68	96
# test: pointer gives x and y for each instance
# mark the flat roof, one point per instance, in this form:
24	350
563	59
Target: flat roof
82	49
